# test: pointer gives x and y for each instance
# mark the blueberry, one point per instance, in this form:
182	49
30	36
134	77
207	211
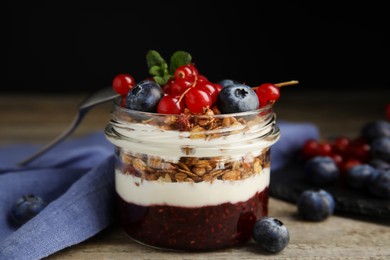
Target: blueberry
237	98
26	208
270	234
379	184
144	96
315	205
375	129
380	164
359	176
227	82
380	148
321	170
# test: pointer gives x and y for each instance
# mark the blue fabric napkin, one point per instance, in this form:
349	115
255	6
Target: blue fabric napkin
76	178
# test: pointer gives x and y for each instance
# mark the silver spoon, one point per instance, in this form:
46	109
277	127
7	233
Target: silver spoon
94	99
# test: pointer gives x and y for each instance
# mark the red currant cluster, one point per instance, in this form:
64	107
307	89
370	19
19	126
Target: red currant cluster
346	152
188	89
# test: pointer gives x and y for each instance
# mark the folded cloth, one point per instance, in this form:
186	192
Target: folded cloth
76	178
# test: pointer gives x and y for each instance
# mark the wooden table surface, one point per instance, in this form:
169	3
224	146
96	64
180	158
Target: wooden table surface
38	118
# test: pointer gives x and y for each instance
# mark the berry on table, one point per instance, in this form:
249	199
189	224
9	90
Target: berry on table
379	184
26	208
379	164
270	234
315	205
380	148
388	112
309	149
375	129
358	176
144	96
321	170
122	83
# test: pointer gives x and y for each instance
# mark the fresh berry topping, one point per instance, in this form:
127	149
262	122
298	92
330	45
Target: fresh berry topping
202	78
197	100
170	105
209	88
188	72
315	205
321	170
144	96
179	86
267	93
237	98
227	82
26	208
122	83
270	234
177	77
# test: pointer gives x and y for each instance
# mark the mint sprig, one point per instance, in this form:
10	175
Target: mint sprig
178	59
159	68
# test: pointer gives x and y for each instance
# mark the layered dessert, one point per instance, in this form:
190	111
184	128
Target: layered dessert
192	170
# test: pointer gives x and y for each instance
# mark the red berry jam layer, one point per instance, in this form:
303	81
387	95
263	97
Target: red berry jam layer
193	228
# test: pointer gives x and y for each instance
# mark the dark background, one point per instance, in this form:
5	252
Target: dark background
57	46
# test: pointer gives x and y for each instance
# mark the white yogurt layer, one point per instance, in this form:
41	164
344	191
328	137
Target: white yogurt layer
186	194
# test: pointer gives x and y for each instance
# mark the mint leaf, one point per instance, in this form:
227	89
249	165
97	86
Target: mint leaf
153	58
179	58
158	67
160	80
155	71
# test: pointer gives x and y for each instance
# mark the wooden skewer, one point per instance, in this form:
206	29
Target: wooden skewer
287	83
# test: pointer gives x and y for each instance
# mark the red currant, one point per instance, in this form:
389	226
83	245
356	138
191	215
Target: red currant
197	99
122	83
201	78
340	145
217	86
388	112
345	165
188	72
359	149
209	88
267	93
179	85
324	149
337	158
309	149
170	105
167	87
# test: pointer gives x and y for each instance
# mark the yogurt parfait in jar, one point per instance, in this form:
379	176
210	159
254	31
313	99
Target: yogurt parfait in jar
192	156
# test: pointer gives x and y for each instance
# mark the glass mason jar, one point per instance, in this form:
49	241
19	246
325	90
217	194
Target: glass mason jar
191	182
